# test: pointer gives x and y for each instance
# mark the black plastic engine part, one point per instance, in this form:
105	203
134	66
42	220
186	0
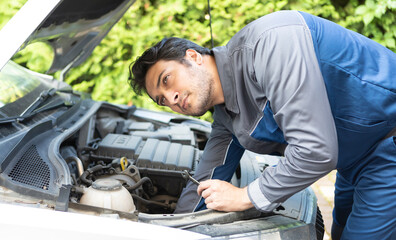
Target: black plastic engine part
118	145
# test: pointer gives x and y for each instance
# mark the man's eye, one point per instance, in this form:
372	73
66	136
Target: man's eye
162	101
165	81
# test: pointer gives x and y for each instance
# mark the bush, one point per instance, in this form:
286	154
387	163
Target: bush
105	73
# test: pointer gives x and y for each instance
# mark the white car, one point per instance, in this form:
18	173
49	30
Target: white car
74	168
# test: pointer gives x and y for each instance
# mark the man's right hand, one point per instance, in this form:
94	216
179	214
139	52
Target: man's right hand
223	196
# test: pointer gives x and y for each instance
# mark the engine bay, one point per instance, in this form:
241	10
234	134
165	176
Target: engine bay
113	156
105	156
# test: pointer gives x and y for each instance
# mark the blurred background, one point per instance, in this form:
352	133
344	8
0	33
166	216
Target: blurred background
105	74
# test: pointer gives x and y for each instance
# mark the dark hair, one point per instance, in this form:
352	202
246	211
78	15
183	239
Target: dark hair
167	49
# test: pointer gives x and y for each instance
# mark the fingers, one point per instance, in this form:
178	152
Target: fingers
207	189
204	185
213	205
223	196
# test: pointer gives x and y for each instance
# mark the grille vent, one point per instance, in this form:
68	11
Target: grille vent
31	170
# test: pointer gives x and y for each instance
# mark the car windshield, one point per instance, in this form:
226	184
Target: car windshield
15	82
19	89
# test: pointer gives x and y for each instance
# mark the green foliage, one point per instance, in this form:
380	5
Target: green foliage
106	72
8	9
376	20
36	56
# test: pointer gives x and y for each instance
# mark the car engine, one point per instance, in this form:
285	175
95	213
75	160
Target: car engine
103	156
111	156
127	163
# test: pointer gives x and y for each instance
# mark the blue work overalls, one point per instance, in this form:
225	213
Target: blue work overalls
354	66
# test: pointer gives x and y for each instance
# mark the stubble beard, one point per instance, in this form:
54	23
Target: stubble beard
203	87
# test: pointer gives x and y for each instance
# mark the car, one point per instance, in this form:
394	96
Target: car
72	167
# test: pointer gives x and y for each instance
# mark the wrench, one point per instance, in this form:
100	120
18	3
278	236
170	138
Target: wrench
187	175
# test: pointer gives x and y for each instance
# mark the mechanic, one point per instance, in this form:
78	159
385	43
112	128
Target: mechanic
293	84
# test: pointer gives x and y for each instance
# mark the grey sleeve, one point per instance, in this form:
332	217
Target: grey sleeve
286	67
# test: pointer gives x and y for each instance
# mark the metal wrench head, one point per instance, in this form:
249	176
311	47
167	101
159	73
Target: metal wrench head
186	175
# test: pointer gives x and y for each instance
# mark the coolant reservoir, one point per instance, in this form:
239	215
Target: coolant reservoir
108	193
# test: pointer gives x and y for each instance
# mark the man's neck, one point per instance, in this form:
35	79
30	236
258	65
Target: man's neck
210	65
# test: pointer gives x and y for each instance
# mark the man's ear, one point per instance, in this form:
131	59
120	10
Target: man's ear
193	55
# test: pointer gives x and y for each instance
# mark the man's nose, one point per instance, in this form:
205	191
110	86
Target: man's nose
173	97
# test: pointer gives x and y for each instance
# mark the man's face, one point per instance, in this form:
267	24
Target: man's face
186	88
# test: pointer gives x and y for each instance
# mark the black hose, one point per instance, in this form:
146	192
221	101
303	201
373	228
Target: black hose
89	171
149	202
84	179
140	183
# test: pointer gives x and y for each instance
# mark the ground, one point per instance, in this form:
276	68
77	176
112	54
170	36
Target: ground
324	190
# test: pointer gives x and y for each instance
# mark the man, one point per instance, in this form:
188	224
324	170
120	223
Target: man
294	84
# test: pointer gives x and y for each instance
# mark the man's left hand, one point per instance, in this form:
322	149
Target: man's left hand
223	196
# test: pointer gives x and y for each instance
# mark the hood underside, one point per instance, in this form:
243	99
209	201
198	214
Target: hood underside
73	28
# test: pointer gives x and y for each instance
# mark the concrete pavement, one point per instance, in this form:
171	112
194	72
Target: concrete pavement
324	190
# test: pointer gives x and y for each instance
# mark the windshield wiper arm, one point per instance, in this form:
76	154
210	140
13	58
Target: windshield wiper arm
39	100
31	110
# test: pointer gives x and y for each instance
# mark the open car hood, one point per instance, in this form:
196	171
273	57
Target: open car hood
72	27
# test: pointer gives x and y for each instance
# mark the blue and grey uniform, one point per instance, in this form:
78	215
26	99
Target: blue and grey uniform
325	98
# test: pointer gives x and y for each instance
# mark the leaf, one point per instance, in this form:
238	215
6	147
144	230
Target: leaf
367	18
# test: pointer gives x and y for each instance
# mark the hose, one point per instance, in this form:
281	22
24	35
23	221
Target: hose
140	183
89	171
149	202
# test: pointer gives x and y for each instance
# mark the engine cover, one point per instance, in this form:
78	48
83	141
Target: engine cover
152	153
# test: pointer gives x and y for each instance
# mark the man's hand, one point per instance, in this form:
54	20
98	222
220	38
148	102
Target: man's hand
223	196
